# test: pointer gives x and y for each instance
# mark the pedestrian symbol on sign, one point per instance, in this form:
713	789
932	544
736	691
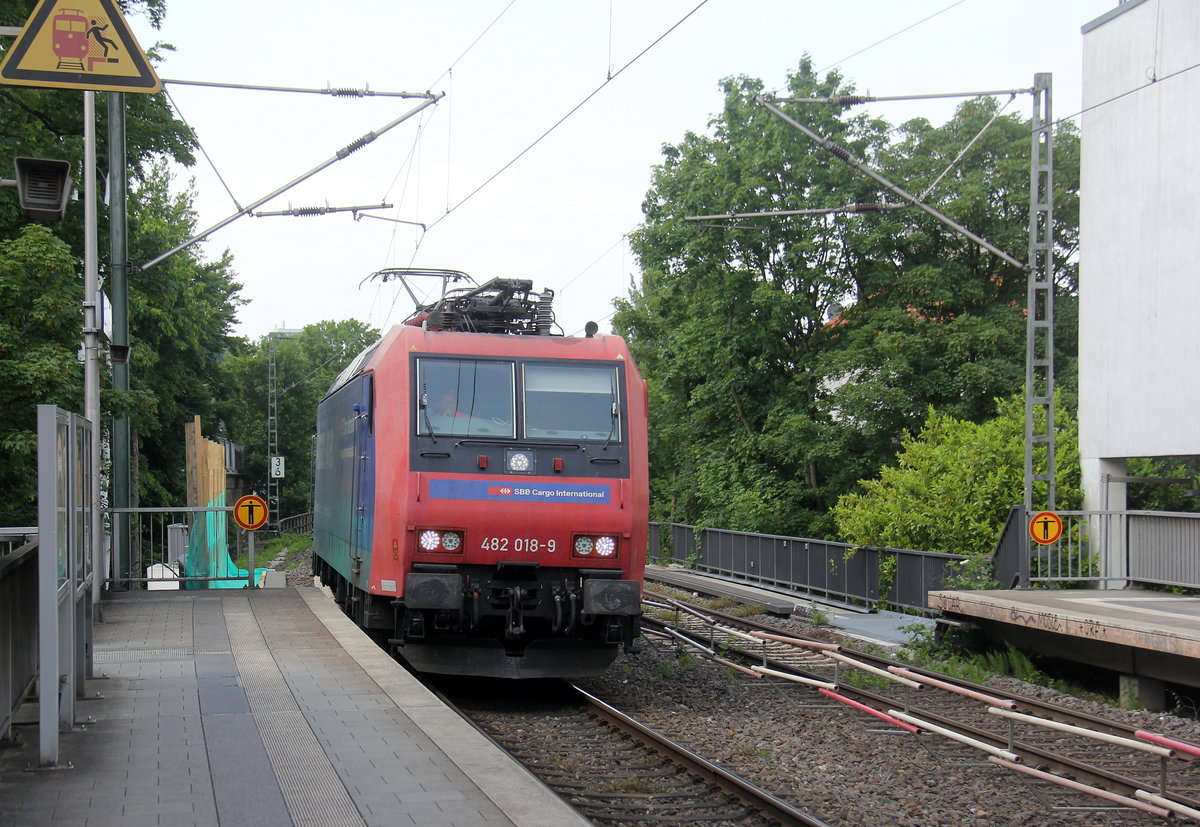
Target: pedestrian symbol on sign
1045	528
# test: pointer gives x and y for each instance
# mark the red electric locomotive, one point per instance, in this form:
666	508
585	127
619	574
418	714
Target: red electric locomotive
482	493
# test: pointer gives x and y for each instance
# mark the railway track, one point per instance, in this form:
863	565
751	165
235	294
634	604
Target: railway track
1085	756
611	768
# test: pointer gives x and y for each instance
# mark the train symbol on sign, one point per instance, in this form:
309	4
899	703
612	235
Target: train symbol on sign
70	38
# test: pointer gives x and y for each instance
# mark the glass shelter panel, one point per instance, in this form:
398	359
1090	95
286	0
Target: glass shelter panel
578	402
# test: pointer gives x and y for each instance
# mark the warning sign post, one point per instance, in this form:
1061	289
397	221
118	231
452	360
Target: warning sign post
250	513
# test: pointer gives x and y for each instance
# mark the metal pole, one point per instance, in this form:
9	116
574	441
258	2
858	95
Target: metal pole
91	344
250	564
119	285
1039	299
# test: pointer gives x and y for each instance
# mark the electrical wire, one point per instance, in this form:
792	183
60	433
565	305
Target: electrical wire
1126	93
573	110
203	151
890	36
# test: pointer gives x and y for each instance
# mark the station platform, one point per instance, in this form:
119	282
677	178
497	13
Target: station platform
1134	632
260	707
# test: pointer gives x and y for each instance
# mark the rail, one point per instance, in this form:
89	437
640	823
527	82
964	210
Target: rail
855	575
18	633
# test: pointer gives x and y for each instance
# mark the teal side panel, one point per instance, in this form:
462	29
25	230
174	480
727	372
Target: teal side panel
208	552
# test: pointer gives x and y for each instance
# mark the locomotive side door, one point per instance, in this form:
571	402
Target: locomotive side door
364	482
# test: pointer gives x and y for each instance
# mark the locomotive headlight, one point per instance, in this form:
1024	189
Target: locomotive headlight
518	461
433	540
606	546
602	545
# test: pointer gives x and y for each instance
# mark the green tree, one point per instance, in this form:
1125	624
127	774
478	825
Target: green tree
39	333
727	323
182	313
305	366
953	483
788	355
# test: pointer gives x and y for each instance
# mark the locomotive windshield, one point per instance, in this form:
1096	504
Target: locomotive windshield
464	397
572	402
477	398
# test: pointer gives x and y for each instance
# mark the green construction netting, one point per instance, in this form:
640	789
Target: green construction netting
208	551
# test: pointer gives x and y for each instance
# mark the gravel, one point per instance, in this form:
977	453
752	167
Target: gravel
838	763
828	759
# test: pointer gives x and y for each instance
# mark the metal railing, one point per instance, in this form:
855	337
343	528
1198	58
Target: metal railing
1116	548
165	543
299	524
18	629
12	538
862	576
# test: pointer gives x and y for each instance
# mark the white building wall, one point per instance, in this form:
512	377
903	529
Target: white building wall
1139	326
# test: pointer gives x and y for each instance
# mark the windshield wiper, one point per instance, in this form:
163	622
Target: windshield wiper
424	406
612	391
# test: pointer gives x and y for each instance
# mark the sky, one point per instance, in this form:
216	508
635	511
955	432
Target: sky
535	162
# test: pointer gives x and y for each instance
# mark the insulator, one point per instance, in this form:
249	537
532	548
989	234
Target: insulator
354	146
304	211
347	93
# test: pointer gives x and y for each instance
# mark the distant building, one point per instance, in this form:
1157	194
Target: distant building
1139	325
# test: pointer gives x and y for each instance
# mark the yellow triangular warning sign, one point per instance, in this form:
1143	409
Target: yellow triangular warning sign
78	44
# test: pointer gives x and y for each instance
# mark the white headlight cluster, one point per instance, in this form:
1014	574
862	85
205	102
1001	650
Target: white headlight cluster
595	546
435	540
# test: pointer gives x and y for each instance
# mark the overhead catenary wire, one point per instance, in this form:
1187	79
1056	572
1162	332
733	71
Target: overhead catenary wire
892	35
341	154
571	112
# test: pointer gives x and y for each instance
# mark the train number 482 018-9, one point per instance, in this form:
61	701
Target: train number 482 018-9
531	545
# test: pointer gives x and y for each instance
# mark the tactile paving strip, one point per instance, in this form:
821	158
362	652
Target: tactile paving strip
311	789
128	655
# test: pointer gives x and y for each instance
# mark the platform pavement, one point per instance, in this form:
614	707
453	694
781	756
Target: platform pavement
262	708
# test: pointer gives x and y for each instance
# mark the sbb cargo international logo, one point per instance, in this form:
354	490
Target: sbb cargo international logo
450	489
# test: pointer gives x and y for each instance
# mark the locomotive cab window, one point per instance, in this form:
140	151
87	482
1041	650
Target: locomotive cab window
578	402
465	397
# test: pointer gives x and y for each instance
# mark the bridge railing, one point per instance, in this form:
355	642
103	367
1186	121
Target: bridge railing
299	524
18	629
863	576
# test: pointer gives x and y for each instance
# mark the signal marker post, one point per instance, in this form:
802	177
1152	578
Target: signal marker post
250	513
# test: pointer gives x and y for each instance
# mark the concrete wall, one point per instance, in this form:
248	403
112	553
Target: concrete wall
1139	340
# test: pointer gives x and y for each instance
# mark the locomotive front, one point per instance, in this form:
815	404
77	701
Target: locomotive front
508	501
